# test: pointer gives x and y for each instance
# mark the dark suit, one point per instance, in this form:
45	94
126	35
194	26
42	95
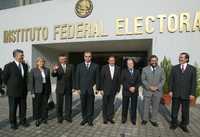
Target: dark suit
85	80
65	83
129	80
182	84
1	76
16	90
41	91
110	87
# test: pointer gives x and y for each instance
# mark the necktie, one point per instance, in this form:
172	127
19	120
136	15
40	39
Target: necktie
87	66
131	71
20	70
182	68
64	68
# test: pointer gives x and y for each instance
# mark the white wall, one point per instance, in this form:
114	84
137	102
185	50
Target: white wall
62	11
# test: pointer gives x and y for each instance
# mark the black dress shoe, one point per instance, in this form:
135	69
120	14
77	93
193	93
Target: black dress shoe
59	121
173	126
83	122
90	124
144	122
155	124
123	121
184	128
105	122
44	121
13	126
37	123
112	121
133	122
68	120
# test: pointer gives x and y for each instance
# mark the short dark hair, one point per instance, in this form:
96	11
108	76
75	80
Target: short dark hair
87	52
187	56
152	56
111	57
131	60
62	55
17	51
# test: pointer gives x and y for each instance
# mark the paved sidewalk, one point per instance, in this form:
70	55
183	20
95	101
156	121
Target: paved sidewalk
53	129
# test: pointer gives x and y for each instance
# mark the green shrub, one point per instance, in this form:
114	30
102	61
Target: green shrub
166	65
198	80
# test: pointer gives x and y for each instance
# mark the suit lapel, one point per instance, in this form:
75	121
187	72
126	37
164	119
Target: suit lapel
45	71
108	70
115	72
186	69
17	69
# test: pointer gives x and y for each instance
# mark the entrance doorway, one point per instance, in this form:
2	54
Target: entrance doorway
100	58
139	49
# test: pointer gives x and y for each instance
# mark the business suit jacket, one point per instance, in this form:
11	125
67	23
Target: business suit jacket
86	79
65	81
1	77
183	84
150	78
129	80
35	81
108	85
16	84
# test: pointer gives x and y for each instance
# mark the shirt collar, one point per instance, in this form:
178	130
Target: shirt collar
112	66
184	65
153	68
131	69
87	63
17	63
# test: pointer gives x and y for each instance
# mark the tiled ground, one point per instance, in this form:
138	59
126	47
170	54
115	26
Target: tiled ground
53	129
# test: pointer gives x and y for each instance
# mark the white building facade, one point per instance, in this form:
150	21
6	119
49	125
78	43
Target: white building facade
140	27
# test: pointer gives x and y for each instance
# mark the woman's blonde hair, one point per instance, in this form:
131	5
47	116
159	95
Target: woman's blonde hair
39	59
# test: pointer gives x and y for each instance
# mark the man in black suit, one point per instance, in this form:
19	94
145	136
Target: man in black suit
110	85
182	87
1	82
87	75
15	77
131	82
64	72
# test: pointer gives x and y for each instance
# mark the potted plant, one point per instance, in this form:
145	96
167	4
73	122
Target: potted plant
166	65
197	99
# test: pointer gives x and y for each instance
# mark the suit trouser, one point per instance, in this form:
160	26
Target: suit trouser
185	104
133	108
67	99
153	99
14	102
108	107
40	104
87	106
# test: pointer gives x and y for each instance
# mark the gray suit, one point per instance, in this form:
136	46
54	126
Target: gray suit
152	78
35	81
41	91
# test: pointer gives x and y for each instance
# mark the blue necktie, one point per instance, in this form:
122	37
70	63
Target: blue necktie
131	71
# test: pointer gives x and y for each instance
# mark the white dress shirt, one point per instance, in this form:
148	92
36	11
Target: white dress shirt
112	70
184	66
21	66
87	64
64	67
153	68
43	76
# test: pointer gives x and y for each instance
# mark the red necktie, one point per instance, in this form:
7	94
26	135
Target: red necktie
182	68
